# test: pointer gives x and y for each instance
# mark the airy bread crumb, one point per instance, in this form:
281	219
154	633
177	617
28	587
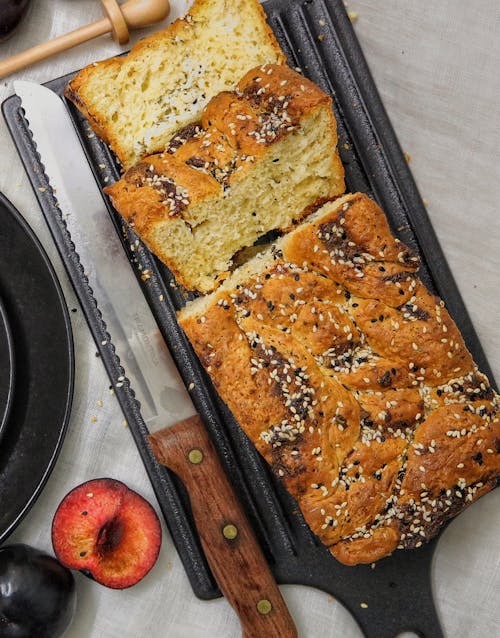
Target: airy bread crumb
136	103
261	158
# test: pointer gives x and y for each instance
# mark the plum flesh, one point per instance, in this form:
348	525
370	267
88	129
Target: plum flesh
108	532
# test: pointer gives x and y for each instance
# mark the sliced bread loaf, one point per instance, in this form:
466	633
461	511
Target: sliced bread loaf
136	103
353	382
261	159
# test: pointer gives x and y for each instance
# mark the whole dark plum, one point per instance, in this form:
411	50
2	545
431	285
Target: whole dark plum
37	594
11	14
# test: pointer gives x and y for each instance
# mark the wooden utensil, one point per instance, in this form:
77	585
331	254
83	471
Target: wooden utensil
133	14
233	554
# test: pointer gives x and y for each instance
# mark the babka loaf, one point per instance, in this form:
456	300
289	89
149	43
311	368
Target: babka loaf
352	381
136	103
262	156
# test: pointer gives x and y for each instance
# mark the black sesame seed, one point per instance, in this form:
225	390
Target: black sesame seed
385	379
478	458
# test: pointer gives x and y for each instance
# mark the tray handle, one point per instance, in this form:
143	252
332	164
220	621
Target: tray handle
396	596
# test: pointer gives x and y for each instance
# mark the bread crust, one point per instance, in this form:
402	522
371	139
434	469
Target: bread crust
203	162
79	88
75	92
354	384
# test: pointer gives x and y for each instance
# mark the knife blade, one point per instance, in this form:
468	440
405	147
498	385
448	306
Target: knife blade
231	549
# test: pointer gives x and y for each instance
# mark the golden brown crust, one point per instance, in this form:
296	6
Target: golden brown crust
79	89
364	400
236	129
74	92
203	162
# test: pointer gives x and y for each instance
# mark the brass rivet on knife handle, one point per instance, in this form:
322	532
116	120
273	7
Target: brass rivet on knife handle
264	606
230	532
133	14
195	456
239	566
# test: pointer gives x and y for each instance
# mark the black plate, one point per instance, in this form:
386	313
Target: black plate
43	347
6	368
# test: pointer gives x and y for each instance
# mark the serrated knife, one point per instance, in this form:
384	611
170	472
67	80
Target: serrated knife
178	437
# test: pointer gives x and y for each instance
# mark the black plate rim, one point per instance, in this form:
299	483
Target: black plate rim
8	345
20	512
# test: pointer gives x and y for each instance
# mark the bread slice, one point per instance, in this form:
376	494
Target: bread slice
262	156
352	381
136	103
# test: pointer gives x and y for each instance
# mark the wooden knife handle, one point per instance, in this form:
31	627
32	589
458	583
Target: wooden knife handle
232	551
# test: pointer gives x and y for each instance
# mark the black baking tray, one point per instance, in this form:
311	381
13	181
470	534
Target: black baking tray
318	38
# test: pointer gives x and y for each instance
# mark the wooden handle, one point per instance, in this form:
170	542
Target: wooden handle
45	50
133	14
231	549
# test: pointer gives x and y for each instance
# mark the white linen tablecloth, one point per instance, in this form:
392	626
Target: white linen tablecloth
436	65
